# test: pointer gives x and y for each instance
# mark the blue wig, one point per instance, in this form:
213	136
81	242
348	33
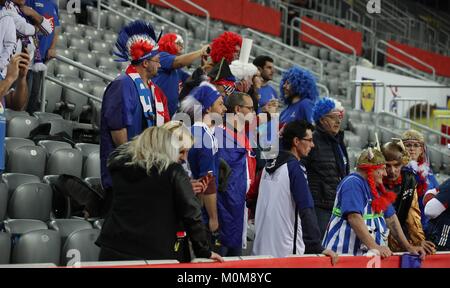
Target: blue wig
322	107
302	83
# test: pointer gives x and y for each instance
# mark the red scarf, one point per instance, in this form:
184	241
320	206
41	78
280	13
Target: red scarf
392	184
381	198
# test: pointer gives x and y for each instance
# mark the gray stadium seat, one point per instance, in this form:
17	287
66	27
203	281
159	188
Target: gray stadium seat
92	16
89	77
3	201
87	148
93	33
21	126
5	247
107	62
115	22
10	114
27	160
21	226
51	146
74	101
62	41
51	66
324	53
14	180
65	161
68	53
31	201
180	19
362	131
79	44
366	117
86	58
84	242
45	117
91	166
63	69
101	46
110	36
65	227
12	143
68	18
53	96
435	158
41	246
74	31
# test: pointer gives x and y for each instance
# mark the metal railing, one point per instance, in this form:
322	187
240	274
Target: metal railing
412	123
79	66
291	48
406	71
379	50
293	28
198	7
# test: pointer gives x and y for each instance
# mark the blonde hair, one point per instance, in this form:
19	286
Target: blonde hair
181	136
151	149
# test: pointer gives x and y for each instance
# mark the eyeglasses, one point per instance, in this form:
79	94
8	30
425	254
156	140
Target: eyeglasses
251	108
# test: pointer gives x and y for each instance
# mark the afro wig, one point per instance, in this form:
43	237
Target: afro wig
325	106
302	83
224	46
167	43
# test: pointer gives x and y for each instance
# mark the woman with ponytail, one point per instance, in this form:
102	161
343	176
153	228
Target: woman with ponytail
363	212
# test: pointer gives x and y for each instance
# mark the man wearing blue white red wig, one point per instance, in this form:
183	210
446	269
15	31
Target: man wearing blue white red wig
132	102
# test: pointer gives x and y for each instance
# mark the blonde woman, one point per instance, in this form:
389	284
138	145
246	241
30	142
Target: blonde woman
151	196
184	137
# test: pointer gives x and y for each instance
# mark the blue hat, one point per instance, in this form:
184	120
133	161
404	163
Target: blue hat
206	94
136	42
325	106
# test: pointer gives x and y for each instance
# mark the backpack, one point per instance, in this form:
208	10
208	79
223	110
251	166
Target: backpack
439	230
73	197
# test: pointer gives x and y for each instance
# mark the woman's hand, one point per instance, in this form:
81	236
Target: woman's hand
198	186
429	247
334	256
216	257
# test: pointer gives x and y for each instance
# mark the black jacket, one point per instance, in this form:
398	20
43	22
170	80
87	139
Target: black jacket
147	209
325	167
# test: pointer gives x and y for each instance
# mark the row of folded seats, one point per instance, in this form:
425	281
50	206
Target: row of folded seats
29	230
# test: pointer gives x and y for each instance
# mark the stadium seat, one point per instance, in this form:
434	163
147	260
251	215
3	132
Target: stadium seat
107	62
3	201
100	46
65	227
10	114
21	226
92	33
27	160
53	96
5	247
51	146
92	16
86	58
14	180
98	224
68	53
115	22
87	148
84	242
12	143
65	161
62	41
89	77
63	69
21	126
91	166
45	117
31	201
41	246
74	31
79	44
74	101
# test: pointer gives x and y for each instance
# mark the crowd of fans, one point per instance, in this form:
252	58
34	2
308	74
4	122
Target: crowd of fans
189	162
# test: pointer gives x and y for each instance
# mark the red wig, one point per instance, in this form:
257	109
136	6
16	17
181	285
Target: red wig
224	46
381	198
140	48
167	43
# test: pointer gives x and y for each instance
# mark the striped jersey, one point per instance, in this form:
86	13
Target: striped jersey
354	196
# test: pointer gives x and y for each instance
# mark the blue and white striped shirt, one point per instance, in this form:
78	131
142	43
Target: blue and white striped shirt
354	196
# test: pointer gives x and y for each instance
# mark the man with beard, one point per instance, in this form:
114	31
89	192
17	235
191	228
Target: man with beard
266	69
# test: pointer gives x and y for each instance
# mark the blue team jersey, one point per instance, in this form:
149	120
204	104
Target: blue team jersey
301	110
169	80
432	183
121	108
267	93
49	10
354	196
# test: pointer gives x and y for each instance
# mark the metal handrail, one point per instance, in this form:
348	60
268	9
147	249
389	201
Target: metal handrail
291	48
84	68
208	16
59	82
353	59
285	20
184	30
399	68
411	122
405	54
414	100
